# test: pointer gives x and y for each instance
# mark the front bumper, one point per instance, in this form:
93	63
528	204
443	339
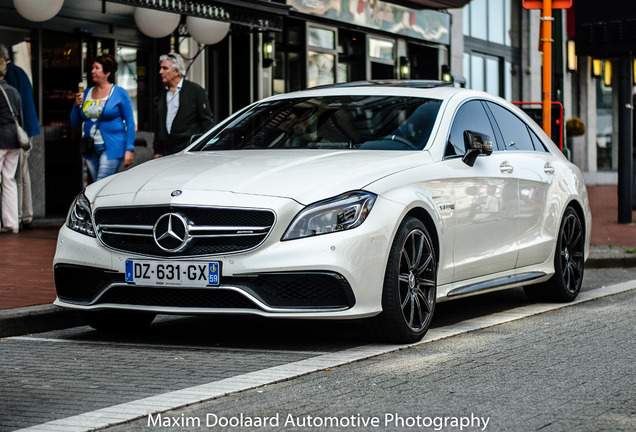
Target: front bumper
338	275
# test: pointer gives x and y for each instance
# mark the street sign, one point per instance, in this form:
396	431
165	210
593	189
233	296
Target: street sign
538	4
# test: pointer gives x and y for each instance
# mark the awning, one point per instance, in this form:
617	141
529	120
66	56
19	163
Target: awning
258	15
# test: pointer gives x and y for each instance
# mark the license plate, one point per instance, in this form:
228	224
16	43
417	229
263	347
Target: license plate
166	273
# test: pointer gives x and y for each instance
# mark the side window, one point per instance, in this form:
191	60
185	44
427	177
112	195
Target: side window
470	116
514	130
538	144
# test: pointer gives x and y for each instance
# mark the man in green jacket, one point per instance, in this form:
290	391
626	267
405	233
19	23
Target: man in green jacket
183	108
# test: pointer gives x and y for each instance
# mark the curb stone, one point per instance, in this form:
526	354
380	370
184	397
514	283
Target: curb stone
34	319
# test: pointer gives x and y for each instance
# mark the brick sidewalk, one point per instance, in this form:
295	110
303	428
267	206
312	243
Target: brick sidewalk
605	227
26	277
26	260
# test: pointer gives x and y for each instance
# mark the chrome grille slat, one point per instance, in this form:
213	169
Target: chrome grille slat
210	230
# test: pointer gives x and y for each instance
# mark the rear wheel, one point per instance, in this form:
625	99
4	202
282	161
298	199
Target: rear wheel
410	286
118	321
569	262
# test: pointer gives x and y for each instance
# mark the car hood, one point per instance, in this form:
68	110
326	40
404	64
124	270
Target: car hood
303	175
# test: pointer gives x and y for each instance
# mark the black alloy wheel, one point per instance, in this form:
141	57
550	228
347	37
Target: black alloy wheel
410	285
569	261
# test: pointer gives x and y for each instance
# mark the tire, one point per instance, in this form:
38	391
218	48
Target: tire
118	321
569	261
410	286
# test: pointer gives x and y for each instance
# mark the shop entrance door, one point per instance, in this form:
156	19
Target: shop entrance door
65	61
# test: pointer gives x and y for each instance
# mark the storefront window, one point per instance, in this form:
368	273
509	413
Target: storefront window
475	11
320	69
127	75
322	56
606	153
321	38
491	53
489	20
381	49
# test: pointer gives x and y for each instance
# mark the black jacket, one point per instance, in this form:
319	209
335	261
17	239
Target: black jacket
8	131
193	117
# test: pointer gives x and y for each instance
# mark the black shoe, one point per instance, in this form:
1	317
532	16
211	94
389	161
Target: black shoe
27	225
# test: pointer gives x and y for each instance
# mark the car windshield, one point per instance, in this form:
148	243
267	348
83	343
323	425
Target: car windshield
331	122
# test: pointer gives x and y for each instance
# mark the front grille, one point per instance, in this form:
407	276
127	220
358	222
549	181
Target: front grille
92	286
209	230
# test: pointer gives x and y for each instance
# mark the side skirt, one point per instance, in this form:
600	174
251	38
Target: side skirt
495	284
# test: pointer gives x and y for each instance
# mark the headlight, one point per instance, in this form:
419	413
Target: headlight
335	214
79	218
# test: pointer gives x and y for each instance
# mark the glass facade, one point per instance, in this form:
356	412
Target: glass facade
491	51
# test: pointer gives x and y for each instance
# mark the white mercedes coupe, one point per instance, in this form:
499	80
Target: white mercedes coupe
369	201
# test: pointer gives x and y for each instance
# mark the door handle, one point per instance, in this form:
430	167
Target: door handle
548	169
505	168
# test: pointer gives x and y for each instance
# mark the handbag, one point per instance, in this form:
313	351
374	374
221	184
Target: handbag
87	144
23	138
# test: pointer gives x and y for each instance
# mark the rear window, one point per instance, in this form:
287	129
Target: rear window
334	122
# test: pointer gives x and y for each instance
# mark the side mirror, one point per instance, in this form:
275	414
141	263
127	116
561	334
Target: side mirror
476	144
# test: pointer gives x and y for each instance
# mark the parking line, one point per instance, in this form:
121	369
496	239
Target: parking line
168	401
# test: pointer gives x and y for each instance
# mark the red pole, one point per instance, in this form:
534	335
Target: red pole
546	27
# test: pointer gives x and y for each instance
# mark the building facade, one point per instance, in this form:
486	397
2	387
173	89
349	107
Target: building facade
244	50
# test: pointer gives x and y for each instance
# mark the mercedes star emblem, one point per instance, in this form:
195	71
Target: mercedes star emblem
171	232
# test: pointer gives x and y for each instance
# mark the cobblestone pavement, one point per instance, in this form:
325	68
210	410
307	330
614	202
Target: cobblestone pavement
524	371
568	370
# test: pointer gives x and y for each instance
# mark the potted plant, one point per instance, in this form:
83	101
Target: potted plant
574	128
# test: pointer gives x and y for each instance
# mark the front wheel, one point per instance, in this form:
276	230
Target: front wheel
410	286
569	262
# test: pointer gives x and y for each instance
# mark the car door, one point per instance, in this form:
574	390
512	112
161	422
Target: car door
531	165
486	201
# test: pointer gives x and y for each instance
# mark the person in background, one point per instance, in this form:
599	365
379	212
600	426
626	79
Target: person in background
17	78
183	108
9	153
105	113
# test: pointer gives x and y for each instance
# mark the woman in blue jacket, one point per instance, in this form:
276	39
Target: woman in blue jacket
105	113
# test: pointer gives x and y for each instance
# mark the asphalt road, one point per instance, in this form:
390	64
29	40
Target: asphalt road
495	362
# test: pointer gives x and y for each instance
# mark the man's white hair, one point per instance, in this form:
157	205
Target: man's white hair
177	62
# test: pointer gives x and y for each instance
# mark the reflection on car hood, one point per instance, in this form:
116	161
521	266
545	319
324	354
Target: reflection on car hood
303	175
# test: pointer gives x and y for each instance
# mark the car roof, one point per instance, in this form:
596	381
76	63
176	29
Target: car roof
413	88
389	83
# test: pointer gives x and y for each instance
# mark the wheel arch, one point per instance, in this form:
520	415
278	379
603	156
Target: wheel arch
585	222
425	217
580	213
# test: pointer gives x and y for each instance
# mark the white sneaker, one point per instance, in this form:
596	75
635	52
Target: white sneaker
10	230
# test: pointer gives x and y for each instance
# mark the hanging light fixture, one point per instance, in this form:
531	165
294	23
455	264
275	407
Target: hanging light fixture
156	23
597	68
446	74
607	73
405	67
38	10
571	54
268	49
207	31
